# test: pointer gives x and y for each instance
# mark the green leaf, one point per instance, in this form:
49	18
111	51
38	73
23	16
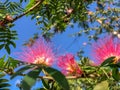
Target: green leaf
2	75
107	61
30	4
4	89
58	76
115	65
4	80
12	43
4	85
7	48
12	62
102	86
45	84
1	46
41	89
1	62
21	70
115	73
30	79
118	64
21	1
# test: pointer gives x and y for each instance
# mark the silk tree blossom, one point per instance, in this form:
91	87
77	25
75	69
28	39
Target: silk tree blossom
40	53
68	65
105	48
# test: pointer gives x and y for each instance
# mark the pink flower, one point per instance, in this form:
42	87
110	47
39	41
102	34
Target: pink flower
68	65
105	48
40	52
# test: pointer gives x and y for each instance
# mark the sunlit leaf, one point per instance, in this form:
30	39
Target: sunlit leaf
2	62
45	84
30	79
104	85
58	76
107	61
4	80
21	71
2	75
30	4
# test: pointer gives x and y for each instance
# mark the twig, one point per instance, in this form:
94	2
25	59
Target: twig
105	73
31	9
49	77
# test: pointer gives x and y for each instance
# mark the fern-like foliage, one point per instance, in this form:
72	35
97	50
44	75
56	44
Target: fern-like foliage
6	39
12	8
7	36
23	1
4	85
8	65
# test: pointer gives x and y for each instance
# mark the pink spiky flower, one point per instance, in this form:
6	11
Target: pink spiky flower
68	65
40	53
104	48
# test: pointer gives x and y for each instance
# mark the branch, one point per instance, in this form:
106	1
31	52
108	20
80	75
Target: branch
48	77
31	9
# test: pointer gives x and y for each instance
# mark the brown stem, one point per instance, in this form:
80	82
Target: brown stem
48	77
31	9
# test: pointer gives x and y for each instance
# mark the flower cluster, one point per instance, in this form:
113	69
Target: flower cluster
68	65
42	53
104	48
